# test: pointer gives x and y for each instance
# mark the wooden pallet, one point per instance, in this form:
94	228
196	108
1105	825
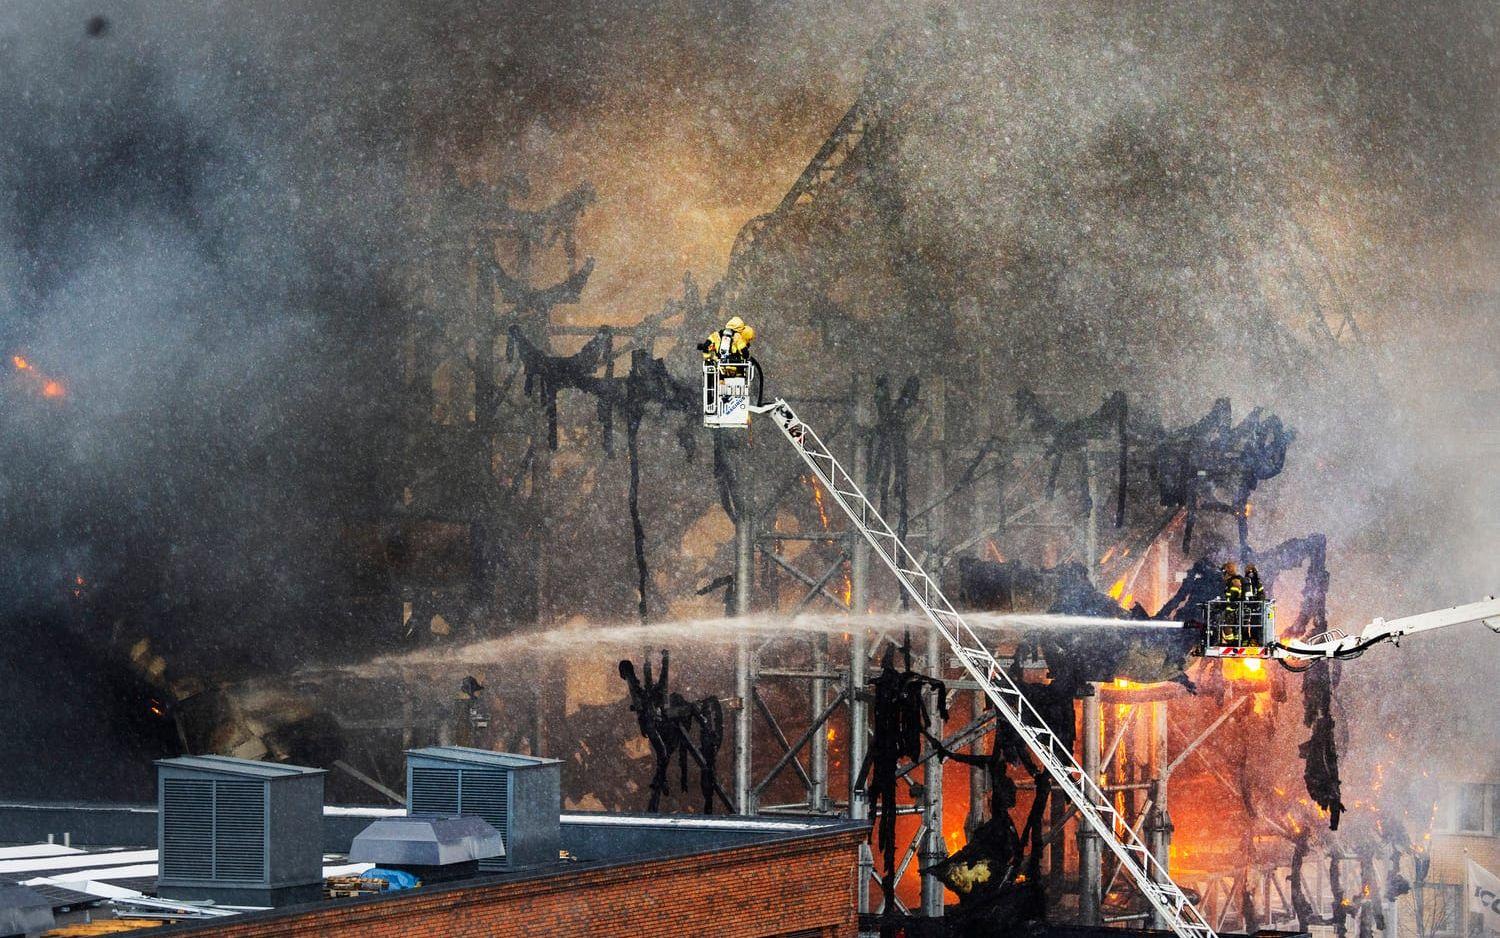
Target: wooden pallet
352	887
101	926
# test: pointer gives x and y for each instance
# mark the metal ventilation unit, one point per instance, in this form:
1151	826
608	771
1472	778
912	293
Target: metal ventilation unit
23	911
238	831
520	796
433	849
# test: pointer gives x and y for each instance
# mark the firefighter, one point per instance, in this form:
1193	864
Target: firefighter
1234	605
730	344
1253	591
1255	605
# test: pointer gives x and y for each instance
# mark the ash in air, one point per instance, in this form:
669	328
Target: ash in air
349	352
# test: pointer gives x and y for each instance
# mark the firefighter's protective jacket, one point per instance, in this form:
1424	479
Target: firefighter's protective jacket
741	335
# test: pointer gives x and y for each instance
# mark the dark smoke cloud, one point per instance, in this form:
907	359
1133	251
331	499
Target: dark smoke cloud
195	243
207	212
196	233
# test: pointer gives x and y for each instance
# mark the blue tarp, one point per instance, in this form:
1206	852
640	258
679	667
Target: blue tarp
397	878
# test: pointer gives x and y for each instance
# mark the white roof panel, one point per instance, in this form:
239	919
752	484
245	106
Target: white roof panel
26	851
78	861
98	875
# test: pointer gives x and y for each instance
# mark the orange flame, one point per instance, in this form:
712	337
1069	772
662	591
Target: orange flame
1244	669
847	593
817	491
48	387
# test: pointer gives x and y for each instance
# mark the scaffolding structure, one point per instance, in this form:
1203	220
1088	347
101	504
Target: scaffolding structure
835	674
831	675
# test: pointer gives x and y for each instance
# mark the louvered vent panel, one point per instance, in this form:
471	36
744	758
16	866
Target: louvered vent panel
487	794
187	828
434	791
240	834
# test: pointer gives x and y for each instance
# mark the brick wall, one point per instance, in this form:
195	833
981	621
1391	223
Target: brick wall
1450	851
796	885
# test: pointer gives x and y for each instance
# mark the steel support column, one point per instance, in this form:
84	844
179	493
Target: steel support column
934	850
859	652
1161	840
979	777
1089	870
817	759
744	571
1159	824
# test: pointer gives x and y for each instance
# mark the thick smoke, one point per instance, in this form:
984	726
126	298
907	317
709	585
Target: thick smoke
195	244
210	232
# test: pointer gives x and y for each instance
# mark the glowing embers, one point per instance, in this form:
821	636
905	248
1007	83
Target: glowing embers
846	592
1118	594
35	380
1251	670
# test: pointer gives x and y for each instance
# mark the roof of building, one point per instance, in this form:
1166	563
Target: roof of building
243	768
465	754
15	896
757	824
127	871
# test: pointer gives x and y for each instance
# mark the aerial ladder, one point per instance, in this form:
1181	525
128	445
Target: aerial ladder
1168	900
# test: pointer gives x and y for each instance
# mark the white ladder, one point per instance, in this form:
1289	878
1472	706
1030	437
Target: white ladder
1093	805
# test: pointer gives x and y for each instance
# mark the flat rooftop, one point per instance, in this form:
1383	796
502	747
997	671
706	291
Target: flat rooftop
99	858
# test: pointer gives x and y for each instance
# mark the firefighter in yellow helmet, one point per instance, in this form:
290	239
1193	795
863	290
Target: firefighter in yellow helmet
1255	607
1234	594
729	344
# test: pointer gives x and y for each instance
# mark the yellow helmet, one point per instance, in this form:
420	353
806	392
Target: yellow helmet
735	324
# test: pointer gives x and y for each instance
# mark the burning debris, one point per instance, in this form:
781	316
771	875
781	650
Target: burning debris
34	380
900	722
1320	752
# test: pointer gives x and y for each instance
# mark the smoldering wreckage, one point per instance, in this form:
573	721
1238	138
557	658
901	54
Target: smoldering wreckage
1118	631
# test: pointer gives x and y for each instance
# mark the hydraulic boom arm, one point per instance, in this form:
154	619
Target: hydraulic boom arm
1336	644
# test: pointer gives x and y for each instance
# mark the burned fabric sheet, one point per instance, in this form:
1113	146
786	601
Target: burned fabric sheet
900	725
666	721
1320	753
647	385
546	374
1215	465
1070	440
